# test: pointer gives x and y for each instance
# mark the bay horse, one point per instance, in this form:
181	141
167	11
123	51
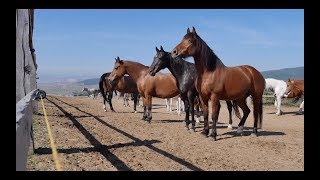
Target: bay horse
295	89
124	85
278	87
216	82
161	85
185	74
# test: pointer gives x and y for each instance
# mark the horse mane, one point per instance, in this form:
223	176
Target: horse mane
208	58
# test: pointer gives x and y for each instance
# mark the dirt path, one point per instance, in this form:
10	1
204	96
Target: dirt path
88	139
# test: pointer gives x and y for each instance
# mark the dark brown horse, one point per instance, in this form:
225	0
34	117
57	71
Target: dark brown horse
185	74
295	89
160	85
125	85
217	82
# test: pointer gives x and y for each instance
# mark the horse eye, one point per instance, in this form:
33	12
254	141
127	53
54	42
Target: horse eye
189	40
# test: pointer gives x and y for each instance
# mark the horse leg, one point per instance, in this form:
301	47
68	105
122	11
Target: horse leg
257	113
197	107
246	111
135	98
190	108
144	108
149	108
215	114
279	112
110	103
167	103
170	104
204	103
229	104
185	99
301	107
104	105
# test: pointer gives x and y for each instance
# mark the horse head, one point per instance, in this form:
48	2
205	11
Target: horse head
188	46
160	61
118	71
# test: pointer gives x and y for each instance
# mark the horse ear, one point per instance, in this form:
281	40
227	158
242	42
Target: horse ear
161	49
194	31
157	49
117	59
188	30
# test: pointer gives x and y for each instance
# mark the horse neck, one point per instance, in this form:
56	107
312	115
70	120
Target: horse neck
202	68
135	70
205	55
177	68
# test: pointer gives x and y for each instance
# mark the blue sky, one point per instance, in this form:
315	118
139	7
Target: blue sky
79	44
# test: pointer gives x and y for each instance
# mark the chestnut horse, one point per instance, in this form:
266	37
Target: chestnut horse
295	89
185	74
160	85
125	85
216	82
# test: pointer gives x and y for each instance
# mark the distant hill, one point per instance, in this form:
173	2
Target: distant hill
284	74
93	81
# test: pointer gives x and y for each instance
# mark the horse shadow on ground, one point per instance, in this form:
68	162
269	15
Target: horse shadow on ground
247	131
104	150
167	121
295	113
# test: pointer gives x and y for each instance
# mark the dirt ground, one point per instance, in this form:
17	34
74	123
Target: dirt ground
87	138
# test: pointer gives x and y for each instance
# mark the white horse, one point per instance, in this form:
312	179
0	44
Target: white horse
169	104
179	105
278	87
126	100
91	92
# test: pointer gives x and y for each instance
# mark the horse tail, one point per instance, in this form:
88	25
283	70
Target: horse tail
260	114
101	82
236	109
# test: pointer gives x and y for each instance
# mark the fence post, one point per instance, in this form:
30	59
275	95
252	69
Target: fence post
23	129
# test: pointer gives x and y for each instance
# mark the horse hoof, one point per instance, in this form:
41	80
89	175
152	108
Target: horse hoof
254	135
135	111
205	132
240	130
229	126
194	128
105	110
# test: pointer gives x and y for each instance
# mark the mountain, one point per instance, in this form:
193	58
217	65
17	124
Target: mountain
281	74
92	81
284	74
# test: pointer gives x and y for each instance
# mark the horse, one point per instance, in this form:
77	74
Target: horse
161	86
295	89
278	87
169	104
126	100
124	85
91	92
185	74
216	82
